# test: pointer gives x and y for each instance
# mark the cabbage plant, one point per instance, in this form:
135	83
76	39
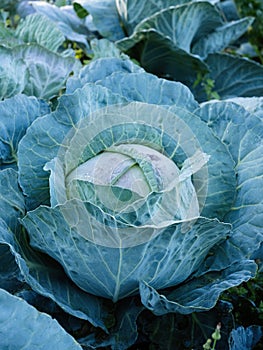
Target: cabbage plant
129	196
182	40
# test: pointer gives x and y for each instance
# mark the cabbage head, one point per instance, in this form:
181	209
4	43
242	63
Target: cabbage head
137	190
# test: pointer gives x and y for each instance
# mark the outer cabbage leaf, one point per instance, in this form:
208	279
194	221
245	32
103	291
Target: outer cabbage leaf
99	69
12	204
207	34
184	24
47	278
10	276
105	17
177	64
133	12
102	48
221	37
39	29
253	105
17	113
166	260
33	70
199	294
20	263
12	73
21	325
145	87
242	133
12	207
47	71
24	8
181	25
73	28
233	77
227	119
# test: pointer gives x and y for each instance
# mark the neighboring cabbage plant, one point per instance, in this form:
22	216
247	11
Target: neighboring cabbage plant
181	40
132	195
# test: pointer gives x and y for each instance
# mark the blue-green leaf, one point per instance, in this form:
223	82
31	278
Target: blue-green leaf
145	87
105	17
10	275
47	71
7	37
221	37
22	326
65	18
199	294
168	37
233	76
12	73
132	12
47	278
39	29
177	64
229	122
12	205
253	105
102	48
183	25
99	69
242	132
228	8
220	178
17	113
20	263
